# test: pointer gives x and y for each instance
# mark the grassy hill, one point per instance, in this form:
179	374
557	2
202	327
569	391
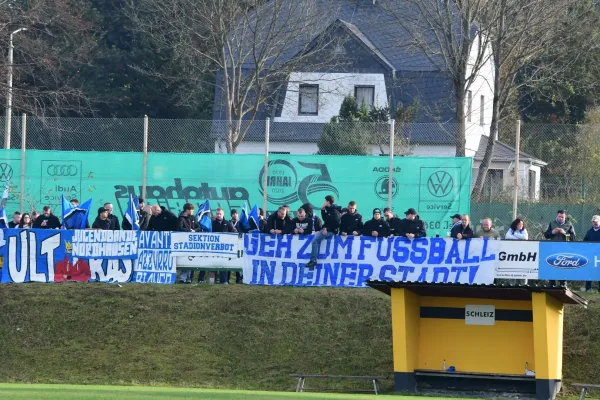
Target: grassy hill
213	336
209	336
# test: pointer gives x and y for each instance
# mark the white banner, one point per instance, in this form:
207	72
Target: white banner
353	260
518	260
207	250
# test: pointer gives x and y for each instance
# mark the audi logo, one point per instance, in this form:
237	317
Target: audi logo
61	170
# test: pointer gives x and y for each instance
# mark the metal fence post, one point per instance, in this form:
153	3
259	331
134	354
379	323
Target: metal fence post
517	151
145	158
391	171
266	167
23	146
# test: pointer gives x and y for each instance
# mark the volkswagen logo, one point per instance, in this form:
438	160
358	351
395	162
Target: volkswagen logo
61	170
440	184
382	187
6	172
566	261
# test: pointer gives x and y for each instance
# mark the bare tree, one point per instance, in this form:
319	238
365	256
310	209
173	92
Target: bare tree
59	39
251	46
452	36
522	41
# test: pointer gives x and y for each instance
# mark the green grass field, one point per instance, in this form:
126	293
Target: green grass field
72	392
214	337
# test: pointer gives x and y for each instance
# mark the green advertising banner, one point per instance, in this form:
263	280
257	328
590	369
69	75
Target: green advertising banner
437	187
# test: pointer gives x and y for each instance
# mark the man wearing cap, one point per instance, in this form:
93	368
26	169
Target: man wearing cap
411	226
455	221
376	227
102	221
593	235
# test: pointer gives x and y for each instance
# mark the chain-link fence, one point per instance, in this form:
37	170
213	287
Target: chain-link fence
559	165
558	169
205	136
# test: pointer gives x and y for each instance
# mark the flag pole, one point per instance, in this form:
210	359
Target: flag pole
266	167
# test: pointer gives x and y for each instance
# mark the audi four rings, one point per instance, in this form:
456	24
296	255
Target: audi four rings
61	170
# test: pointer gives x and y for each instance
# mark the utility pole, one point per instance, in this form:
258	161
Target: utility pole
7	131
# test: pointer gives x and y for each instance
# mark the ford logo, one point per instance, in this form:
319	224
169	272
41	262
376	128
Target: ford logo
566	261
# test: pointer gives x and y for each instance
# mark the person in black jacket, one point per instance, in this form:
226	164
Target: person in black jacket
15	221
301	225
331	214
377	226
392	220
262	221
220	224
410	227
102	222
351	223
187	223
47	220
279	222
462	230
317	223
114	220
162	220
187	219
235	220
593	235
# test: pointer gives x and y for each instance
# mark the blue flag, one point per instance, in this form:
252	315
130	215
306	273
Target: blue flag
203	216
136	202
254	218
3	218
131	214
4	198
75	217
244	221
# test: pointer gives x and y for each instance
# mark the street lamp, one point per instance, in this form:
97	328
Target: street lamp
7	131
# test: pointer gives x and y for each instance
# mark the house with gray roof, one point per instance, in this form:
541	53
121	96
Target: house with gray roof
378	67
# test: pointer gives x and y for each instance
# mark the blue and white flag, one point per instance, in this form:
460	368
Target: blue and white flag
4	197
203	216
131	214
75	217
3	217
244	221
254	218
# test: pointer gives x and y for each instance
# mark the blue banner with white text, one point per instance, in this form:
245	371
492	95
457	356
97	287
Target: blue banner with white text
40	255
154	263
351	261
51	255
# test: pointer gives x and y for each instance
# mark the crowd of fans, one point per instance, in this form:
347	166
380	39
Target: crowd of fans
334	220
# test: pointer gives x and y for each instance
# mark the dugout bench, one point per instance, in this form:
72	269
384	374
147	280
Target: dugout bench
504	339
584	388
302	377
